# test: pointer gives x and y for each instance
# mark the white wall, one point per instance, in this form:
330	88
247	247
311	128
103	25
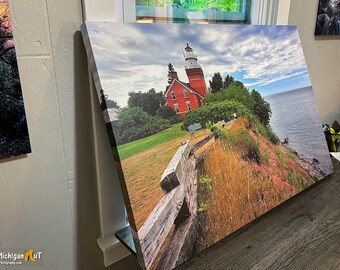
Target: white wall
48	200
322	56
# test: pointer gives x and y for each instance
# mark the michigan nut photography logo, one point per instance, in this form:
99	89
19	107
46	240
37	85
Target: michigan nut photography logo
12	258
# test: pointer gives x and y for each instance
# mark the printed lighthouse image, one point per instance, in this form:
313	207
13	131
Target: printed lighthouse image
183	97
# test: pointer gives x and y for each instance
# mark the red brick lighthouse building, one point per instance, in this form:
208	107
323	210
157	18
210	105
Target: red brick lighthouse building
183	97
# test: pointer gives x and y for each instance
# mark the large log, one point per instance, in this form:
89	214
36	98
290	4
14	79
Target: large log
156	228
182	245
190	184
183	240
171	176
202	142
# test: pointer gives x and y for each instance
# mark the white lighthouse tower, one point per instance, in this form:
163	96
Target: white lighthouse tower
194	71
190	58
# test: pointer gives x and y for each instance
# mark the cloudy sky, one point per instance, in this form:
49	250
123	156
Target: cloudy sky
134	57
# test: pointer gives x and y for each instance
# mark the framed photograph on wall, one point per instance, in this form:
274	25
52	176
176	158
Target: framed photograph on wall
328	18
14	138
208	128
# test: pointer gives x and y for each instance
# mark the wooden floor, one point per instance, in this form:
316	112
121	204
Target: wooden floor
302	233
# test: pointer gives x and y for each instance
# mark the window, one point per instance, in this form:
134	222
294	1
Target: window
176	108
196	11
173	96
189	106
185	93
192	11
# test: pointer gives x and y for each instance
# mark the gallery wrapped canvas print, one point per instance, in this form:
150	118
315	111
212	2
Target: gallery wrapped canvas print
328	18
211	126
14	139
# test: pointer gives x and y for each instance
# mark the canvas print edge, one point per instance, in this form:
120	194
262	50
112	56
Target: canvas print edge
98	89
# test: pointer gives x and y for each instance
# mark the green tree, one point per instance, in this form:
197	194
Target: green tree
216	83
233	92
228	80
105	102
149	102
134	123
224	5
240	94
239	84
171	69
112	104
261	108
165	112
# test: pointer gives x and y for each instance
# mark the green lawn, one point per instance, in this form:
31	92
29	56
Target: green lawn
133	148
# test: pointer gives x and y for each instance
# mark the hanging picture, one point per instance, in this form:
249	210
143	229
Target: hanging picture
14	139
211	126
328	18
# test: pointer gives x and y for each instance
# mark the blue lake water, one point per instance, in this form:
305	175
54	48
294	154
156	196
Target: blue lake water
295	115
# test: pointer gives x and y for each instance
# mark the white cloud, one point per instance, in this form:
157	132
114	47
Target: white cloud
134	57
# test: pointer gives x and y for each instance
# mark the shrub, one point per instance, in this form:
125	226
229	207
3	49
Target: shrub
241	141
206	183
203	207
266	131
290	177
272	136
252	150
175	119
210	125
291	154
215	112
134	123
280	157
266	155
302	184
233	92
297	180
260	128
165	112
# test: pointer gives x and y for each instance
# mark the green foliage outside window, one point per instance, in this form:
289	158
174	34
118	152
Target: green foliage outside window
224	5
